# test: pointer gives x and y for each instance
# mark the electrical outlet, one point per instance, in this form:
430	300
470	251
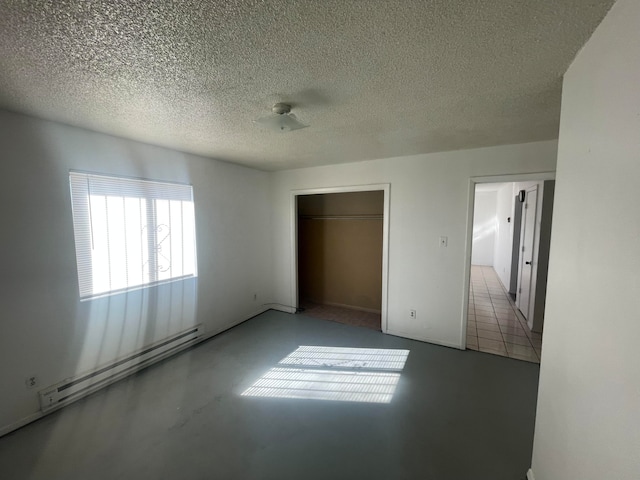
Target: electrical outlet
444	241
413	314
31	382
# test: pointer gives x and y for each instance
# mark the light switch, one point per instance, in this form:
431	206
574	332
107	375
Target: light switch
443	241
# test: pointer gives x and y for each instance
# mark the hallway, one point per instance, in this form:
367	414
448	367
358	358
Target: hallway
494	323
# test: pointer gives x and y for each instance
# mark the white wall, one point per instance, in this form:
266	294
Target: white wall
504	233
484	228
45	330
588	417
429	198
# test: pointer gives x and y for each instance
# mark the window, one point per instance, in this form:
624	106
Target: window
131	233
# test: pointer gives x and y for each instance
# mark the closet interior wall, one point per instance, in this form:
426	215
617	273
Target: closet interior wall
340	249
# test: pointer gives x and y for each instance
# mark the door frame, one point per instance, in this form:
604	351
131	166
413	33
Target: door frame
507	178
386	188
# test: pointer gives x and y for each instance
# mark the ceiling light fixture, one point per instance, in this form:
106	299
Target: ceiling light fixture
281	120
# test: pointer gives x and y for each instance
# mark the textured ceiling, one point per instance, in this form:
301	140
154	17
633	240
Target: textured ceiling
373	79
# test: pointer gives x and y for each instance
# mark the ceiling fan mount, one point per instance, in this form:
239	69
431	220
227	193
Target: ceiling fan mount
281	108
281	119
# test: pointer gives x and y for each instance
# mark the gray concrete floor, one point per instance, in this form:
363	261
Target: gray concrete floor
455	415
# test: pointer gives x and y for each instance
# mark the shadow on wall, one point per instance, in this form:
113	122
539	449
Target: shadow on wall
48	334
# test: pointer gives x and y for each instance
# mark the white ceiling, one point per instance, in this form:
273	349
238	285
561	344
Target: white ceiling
373	79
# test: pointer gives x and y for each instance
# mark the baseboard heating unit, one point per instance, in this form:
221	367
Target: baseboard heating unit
73	388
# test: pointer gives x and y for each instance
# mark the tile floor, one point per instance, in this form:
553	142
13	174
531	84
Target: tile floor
494	324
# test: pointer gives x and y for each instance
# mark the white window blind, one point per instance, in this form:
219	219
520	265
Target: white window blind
131	233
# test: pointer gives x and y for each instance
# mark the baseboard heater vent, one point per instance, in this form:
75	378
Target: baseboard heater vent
72	389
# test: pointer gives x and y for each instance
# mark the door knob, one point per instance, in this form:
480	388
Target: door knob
528	263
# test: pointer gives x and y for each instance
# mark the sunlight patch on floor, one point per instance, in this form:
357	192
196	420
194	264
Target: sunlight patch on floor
336	357
333	373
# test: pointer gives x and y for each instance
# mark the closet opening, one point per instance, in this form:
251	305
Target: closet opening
341	261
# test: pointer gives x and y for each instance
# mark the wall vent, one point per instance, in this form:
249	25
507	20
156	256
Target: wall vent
74	388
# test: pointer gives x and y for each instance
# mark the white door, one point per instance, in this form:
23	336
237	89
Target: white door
527	238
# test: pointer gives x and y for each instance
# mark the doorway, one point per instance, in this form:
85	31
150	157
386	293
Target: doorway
508	260
340	262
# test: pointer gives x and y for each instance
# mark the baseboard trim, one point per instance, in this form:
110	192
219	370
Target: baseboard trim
352	307
396	333
207	335
530	475
6	429
21	423
344	305
280	308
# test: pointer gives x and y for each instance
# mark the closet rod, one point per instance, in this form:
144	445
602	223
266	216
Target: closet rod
342	217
